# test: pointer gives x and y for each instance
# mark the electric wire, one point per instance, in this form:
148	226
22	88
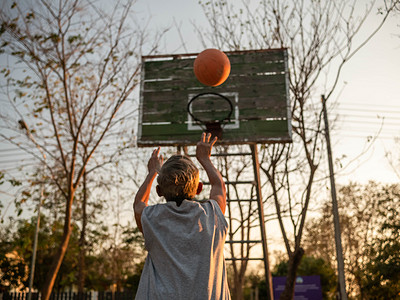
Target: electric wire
353	120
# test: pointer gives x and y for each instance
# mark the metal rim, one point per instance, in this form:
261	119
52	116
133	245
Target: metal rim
228	118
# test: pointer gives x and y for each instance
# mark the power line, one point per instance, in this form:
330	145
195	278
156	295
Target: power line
367	137
364	104
346	122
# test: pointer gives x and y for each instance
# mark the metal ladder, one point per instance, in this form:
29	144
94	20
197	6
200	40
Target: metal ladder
257	185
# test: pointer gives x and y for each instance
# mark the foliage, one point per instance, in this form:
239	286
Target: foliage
20	241
13	267
132	281
369	221
313	266
121	264
382	272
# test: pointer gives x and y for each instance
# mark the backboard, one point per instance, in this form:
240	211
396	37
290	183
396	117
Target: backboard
252	104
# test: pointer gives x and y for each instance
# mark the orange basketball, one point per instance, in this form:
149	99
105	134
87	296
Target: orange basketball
212	67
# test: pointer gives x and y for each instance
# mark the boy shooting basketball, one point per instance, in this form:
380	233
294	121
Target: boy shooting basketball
184	238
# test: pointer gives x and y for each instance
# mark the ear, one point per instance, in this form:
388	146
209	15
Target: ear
199	188
158	190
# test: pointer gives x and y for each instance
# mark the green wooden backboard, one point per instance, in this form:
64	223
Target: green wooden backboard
257	88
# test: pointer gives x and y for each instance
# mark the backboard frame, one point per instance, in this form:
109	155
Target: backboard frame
282	123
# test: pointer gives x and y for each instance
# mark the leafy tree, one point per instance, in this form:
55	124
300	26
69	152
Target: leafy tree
382	271
369	224
119	264
72	67
17	238
310	265
321	38
13	268
14	271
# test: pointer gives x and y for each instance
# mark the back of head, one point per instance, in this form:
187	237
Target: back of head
178	179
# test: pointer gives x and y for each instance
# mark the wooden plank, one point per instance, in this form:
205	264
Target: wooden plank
252	57
190	82
240	64
180	116
246	93
164	68
167	109
254	68
251	114
250	131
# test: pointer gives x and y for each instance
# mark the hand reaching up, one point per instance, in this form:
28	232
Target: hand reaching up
155	162
204	147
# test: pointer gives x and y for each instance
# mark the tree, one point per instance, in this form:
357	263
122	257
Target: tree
311	265
114	264
105	265
369	223
16	240
72	68
320	38
13	268
382	278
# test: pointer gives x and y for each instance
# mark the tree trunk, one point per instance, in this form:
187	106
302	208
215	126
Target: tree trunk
59	256
55	265
294	262
238	288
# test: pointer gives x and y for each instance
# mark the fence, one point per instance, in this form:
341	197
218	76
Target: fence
105	295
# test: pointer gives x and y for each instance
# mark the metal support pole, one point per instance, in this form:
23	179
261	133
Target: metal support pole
35	241
256	166
335	211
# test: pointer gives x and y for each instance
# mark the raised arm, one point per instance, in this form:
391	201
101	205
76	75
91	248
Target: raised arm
203	153
143	194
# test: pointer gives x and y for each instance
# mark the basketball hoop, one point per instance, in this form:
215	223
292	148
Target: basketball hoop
212	126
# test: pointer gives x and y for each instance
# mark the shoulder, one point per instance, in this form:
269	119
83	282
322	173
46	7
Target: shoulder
210	204
212	208
154	210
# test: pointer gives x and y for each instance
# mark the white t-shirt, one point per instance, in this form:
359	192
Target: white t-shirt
185	247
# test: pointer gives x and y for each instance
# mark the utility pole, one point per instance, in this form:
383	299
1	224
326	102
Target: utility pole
35	241
335	211
24	126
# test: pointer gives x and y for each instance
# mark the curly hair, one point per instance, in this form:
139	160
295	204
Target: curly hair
178	179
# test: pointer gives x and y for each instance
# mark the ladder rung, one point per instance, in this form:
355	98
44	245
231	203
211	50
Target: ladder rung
244	258
243	242
231	154
235	182
242	200
241	182
224	154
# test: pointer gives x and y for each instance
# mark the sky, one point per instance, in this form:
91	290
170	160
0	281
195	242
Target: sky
367	99
370	104
367	96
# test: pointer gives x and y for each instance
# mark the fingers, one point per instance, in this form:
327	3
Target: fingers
205	138
156	161
156	155
156	152
214	141
208	137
